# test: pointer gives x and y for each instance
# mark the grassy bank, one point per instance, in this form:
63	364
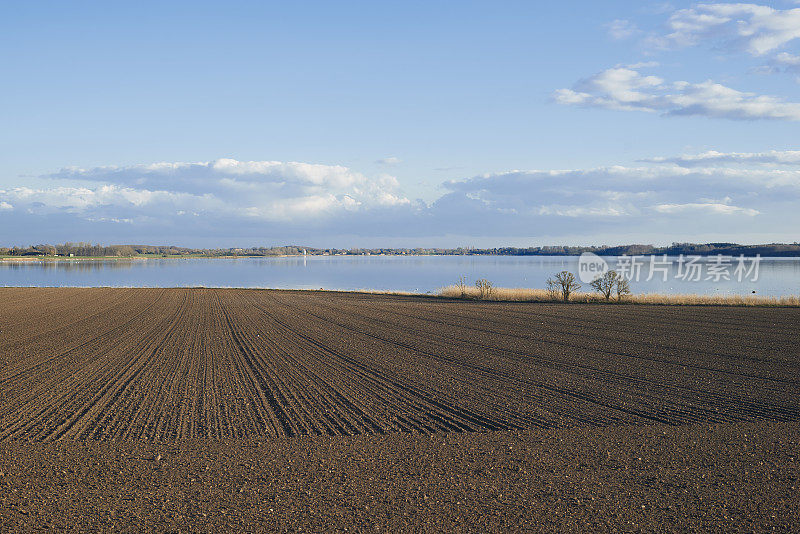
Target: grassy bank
541	295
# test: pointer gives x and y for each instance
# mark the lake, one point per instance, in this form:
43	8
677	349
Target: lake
775	276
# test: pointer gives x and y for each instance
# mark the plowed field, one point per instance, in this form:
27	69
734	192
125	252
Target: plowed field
178	364
175	410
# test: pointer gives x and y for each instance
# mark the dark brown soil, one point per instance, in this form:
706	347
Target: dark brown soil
319	410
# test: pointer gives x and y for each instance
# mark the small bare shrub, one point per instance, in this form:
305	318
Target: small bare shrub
553	289
564	283
485	288
462	286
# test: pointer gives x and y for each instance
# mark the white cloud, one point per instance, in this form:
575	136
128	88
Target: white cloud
758	29
783	62
712	157
266	190
93	202
6	206
624	88
392	160
720	208
191	177
790	60
621	29
578	211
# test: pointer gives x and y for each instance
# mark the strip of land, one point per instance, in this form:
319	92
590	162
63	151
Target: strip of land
112	251
207	408
521	294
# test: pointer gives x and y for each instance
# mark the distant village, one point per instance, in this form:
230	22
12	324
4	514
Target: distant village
84	250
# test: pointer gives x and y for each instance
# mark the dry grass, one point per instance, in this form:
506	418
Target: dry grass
384	292
521	294
728	300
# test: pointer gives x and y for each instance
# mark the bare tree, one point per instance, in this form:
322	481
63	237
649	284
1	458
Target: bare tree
623	287
606	283
485	288
564	283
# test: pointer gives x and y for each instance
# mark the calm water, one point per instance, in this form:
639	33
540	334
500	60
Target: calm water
776	276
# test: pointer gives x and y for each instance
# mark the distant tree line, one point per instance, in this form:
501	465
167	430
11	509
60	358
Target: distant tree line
120	251
676	249
89	250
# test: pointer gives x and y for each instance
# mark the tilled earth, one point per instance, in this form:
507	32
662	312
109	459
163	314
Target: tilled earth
199	409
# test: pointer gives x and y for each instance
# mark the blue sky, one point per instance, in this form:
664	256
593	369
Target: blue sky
430	123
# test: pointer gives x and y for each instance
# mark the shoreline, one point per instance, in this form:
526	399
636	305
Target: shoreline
46	259
384	255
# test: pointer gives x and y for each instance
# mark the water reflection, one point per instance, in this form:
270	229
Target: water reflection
68	265
777	276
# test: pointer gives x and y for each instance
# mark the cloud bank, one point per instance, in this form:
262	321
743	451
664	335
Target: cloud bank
261	190
267	202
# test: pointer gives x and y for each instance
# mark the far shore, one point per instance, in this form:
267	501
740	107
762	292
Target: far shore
139	257
201	256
